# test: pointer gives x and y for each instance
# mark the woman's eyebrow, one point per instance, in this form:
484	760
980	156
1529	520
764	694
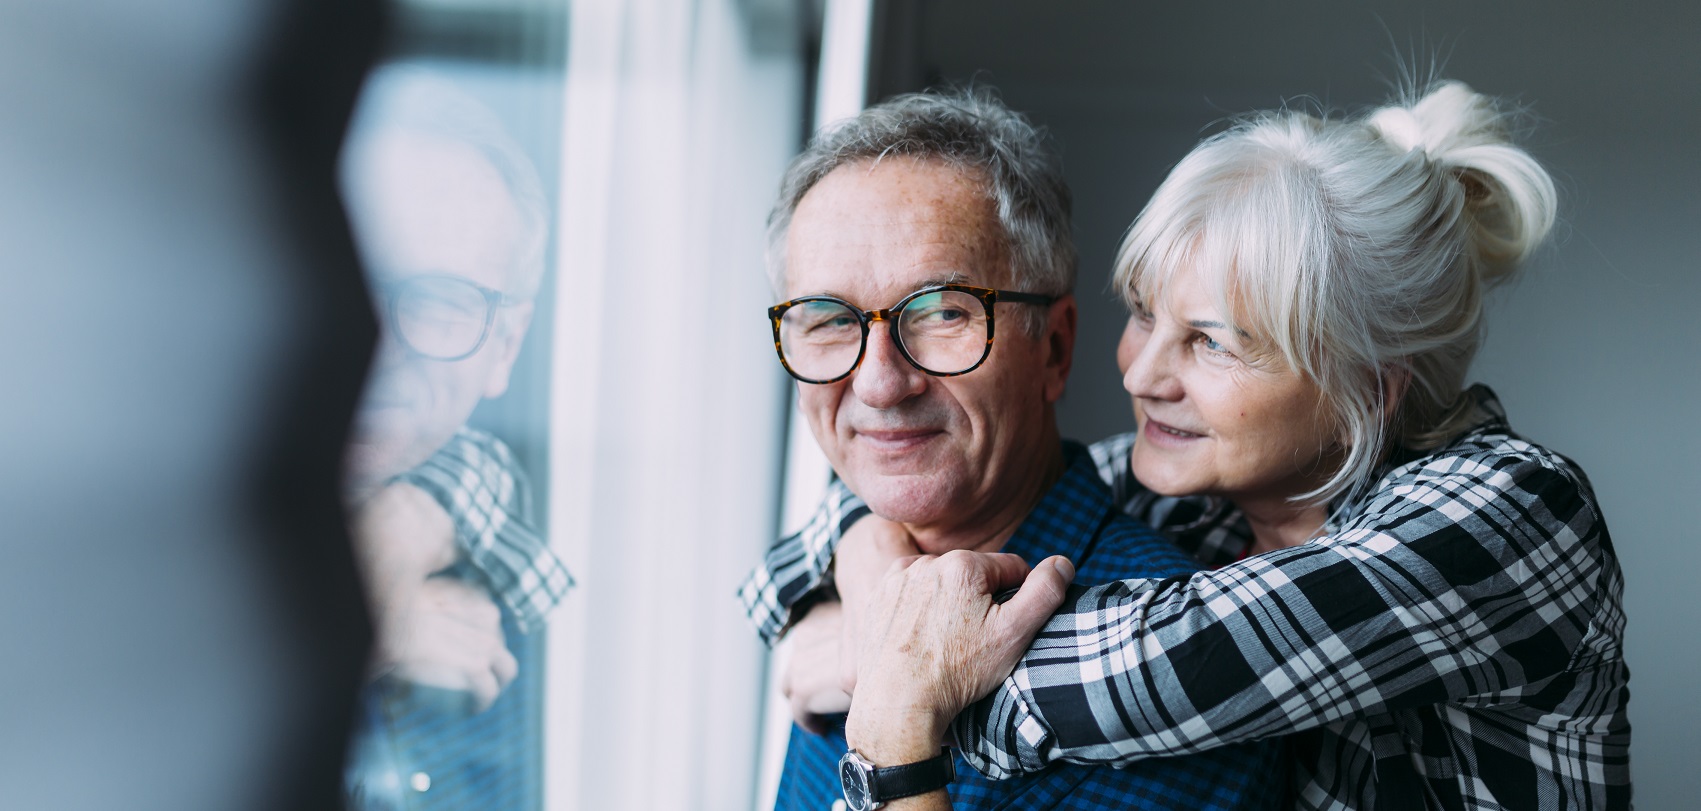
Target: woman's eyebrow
1218	325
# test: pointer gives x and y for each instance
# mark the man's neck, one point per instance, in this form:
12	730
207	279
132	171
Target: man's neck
989	528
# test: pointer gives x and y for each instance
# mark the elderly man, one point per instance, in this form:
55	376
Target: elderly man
451	220
925	252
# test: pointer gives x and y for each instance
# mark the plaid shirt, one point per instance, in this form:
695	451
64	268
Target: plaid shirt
1078	519
474	477
1453	640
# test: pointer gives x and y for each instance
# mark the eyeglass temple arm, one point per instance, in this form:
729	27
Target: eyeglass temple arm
1024	298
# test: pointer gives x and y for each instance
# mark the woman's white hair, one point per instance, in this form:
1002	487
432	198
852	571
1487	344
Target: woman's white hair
1355	250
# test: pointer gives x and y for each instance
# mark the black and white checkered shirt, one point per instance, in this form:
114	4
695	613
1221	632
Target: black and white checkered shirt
476	480
1453	641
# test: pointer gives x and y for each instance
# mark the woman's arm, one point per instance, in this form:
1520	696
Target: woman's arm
799	566
1466	577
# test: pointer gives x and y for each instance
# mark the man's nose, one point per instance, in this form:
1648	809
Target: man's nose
390	349
885	378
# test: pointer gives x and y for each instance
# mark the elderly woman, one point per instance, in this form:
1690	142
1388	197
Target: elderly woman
1428	605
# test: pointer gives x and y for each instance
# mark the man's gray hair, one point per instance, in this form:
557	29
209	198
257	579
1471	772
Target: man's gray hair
971	129
417	100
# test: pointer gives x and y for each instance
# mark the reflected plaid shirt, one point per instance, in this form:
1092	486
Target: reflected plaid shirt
474	477
1453	640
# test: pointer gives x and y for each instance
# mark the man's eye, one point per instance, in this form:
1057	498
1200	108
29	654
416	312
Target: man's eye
945	314
834	323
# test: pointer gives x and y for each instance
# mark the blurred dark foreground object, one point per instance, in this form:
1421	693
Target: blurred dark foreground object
184	335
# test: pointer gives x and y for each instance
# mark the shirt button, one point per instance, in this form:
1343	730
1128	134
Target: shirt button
420	781
838	805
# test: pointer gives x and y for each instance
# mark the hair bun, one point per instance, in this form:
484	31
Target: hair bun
1505	190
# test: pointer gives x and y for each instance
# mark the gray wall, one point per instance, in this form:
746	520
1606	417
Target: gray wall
1593	351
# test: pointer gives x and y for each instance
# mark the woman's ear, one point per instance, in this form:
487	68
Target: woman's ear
1395	380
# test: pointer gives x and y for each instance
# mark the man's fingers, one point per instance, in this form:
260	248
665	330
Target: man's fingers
506	667
1004	571
1040	595
800	713
484	689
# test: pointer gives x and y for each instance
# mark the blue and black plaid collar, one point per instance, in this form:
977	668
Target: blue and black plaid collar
1067	518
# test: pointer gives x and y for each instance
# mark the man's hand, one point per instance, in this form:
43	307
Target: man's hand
432	631
933	641
863	556
401	536
454	641
810	675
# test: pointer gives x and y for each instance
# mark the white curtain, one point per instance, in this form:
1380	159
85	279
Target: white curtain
668	408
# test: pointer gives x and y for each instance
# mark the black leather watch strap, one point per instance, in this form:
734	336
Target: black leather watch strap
910	779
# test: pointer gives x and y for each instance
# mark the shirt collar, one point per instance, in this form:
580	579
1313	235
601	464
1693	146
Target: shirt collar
1067	518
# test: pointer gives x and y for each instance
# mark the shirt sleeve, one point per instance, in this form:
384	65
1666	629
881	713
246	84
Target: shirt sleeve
476	479
1468	576
799	565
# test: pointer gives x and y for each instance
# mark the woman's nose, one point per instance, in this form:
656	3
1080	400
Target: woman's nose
1149	366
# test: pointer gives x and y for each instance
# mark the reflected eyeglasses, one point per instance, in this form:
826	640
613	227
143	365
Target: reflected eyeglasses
442	317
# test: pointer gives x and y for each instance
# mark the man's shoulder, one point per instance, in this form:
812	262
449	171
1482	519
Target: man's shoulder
1126	548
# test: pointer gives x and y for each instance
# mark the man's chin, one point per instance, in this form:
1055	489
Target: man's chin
907	499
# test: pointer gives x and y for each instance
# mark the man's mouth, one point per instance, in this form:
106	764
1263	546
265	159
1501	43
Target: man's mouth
899	440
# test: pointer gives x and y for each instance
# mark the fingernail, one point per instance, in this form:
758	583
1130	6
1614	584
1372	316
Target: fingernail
1066	568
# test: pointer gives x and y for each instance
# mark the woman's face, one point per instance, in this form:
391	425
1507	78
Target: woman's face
1216	418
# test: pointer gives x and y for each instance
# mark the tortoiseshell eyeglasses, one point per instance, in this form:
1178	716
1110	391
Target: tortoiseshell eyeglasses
943	330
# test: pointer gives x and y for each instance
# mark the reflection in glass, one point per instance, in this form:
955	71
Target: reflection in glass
452	221
441	317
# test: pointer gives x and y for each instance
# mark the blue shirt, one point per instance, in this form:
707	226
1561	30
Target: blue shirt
1078	519
423	749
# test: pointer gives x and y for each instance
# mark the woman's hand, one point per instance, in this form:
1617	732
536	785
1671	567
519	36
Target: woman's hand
864	554
933	641
809	677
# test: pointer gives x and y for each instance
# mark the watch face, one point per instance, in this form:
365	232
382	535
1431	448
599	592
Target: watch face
854	781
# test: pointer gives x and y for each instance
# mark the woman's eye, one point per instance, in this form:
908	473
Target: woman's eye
1213	347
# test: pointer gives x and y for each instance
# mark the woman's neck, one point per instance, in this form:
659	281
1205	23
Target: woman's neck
1279	523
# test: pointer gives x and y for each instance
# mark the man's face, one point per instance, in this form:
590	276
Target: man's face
923	450
429	207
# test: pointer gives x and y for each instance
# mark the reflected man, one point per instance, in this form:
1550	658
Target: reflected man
451	221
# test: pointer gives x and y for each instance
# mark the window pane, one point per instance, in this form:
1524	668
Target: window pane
448	176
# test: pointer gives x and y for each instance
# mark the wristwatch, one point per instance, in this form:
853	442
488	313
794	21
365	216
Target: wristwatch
867	786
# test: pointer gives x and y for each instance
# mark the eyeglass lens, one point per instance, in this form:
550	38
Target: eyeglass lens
441	318
944	332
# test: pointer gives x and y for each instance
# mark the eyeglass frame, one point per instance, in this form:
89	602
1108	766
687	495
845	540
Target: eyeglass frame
493	298
988	298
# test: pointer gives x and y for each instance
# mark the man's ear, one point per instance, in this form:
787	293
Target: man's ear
506	340
1059	346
